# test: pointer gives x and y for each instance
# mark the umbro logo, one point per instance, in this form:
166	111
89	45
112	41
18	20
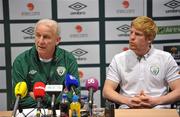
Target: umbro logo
29	30
124	28
77	6
172	4
79	52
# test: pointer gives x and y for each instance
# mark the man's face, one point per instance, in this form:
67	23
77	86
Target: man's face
45	41
138	42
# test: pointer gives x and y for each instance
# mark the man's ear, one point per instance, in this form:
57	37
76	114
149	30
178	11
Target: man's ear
58	40
149	40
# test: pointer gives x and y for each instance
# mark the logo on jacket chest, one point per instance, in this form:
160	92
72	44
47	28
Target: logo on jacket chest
32	72
61	70
154	70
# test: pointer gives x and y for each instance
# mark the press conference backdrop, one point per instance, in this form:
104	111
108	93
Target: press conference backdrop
93	30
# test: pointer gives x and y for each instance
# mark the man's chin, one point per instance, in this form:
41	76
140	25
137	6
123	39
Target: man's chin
132	48
41	52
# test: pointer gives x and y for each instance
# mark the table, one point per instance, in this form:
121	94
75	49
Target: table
129	113
146	113
5	113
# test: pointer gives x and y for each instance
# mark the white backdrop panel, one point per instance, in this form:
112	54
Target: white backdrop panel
165	8
113	49
2	79
125	8
3	100
1	10
90	72
2	33
30	9
2	57
85	54
79	31
117	30
77	9
22	33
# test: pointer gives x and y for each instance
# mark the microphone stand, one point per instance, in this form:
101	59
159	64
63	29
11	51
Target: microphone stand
73	90
15	107
53	107
90	101
38	113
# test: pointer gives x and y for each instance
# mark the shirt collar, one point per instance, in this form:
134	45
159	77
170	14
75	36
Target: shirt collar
145	56
149	52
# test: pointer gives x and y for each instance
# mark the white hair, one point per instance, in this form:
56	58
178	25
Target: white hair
50	23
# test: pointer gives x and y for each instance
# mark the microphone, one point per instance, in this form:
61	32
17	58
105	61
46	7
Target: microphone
39	94
91	86
71	83
53	90
20	92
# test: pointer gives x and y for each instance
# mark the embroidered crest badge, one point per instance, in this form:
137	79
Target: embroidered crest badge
61	70
154	70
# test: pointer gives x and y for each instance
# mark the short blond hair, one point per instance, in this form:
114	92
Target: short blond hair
146	25
50	23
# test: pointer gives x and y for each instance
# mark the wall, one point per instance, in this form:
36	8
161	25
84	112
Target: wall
93	30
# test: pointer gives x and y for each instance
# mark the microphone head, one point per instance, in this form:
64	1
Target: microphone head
39	90
71	81
21	89
92	83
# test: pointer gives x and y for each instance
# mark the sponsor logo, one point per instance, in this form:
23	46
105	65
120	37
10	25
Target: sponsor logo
168	30
30	7
173	4
125	8
79	53
125	3
40	87
81	74
125	29
125	48
77	7
30	32
174	50
32	72
79	29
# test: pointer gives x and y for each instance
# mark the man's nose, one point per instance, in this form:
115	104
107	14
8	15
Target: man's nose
41	39
132	37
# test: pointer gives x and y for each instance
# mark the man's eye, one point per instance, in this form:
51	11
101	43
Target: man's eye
138	34
45	37
37	35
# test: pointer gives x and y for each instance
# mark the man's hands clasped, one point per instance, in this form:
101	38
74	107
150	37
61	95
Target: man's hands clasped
142	100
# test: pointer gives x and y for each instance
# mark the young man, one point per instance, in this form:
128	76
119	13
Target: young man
143	72
44	62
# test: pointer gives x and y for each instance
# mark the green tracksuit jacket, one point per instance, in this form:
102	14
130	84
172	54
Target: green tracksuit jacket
27	67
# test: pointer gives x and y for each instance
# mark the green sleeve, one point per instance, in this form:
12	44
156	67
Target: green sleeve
19	74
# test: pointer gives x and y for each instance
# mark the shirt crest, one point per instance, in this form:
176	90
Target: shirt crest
61	70
154	70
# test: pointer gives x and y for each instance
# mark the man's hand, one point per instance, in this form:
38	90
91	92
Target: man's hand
147	101
134	102
32	95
